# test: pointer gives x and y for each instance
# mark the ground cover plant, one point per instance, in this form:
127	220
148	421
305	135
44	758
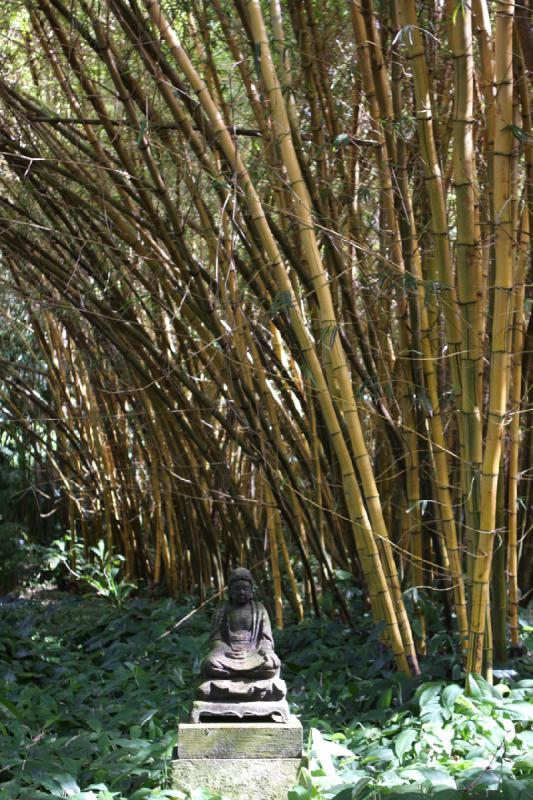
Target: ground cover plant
90	694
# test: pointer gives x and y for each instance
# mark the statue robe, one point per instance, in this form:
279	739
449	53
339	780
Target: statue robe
261	632
246	679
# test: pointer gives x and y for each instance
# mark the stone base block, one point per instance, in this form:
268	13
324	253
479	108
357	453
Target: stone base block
238	778
234	740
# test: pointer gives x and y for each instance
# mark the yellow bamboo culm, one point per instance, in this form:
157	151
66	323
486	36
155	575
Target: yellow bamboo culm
516	395
273	522
427	314
414	44
468	262
501	329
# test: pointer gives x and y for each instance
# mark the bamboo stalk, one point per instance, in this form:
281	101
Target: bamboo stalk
502	320
514	433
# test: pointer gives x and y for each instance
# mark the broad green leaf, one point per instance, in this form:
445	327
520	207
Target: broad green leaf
11	707
526	740
404	742
437	777
68	785
390	777
450	695
204	794
478	687
428	693
324	751
343	575
386	698
519	711
502	689
412	774
432	714
524	765
516	790
375	755
299	793
346	793
147	716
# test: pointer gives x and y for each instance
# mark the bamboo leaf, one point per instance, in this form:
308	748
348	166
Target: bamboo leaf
257	60
459	8
142	130
518	132
341	140
282	302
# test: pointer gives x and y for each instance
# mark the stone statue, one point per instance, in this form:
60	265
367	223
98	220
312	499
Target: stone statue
241	669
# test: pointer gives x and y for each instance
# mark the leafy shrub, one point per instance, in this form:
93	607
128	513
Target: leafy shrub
102	572
444	744
13	549
89	698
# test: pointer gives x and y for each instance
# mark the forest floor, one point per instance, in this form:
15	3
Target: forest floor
90	695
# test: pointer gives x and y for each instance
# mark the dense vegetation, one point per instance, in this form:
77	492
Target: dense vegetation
90	695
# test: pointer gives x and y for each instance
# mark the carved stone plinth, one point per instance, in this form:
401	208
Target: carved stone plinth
277	711
245	691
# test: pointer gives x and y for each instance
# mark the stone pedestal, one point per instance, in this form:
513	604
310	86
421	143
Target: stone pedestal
239	760
238	778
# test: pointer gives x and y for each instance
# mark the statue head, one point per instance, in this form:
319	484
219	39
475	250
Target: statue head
240	585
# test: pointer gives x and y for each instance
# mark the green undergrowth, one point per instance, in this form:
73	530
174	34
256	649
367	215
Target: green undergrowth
374	734
90	695
442	744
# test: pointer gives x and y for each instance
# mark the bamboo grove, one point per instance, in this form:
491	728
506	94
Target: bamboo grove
265	281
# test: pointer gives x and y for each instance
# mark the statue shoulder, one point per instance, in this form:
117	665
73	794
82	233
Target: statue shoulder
260	609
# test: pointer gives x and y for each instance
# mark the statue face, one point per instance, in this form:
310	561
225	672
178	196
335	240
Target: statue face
240	592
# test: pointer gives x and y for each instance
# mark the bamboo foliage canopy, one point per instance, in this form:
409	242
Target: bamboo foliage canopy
265	276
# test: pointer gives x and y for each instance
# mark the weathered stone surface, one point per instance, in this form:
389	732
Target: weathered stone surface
232	740
238	779
277	711
232	691
241	671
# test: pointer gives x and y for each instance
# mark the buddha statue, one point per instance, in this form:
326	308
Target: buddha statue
241	670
